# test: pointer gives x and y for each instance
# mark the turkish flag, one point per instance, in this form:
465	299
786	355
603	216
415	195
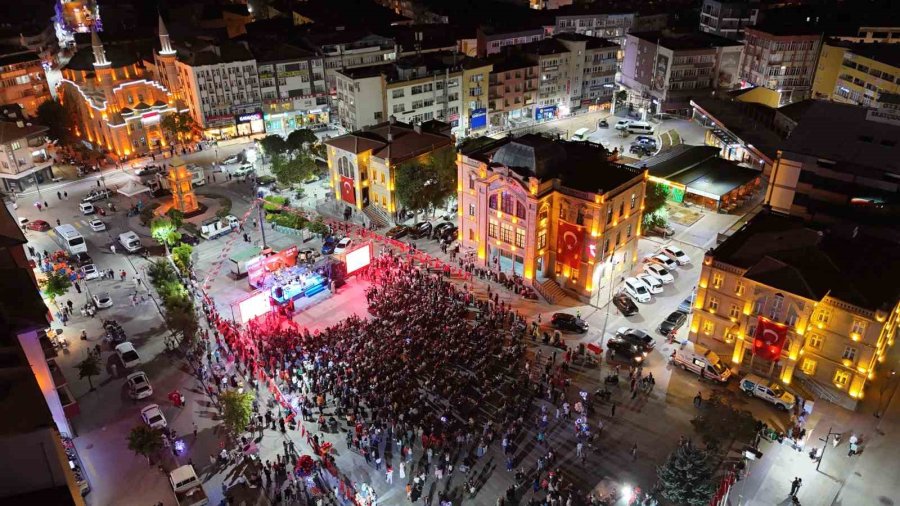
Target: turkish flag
769	339
348	190
569	243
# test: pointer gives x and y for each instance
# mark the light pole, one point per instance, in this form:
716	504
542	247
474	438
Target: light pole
612	267
825	439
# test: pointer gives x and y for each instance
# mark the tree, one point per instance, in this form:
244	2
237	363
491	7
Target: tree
88	368
427	183
181	254
289	171
179	126
181	319
237	408
318	227
56	284
176	216
163	230
720	422
53	115
145	440
655	213
686	477
161	272
273	145
298	139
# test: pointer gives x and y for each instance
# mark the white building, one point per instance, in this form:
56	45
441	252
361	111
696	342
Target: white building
221	85
23	154
349	49
292	88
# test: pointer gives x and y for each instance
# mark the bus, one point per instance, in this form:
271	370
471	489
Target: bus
69	239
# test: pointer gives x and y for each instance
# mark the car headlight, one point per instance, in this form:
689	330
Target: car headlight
639	358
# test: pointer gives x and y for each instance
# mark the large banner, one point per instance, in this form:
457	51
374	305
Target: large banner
769	339
348	190
569	244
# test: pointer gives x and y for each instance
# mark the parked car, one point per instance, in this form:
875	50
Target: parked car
663	260
149	170
80	259
568	322
646	140
102	300
672	323
622	124
653	283
95	195
86	208
37	225
343	245
637	289
641	150
450	234
152	416
625	351
660	273
677	254
440	228
397	232
603	124
139	385
90	271
97	225
625	304
421	229
636	336
700	360
328	245
128	355
685	306
232	159
769	391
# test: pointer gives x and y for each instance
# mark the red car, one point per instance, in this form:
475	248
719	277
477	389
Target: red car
38	225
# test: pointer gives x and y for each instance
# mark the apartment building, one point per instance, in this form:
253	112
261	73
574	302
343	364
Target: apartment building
22	79
605	23
780	56
728	18
593	74
24	155
876	34
840	175
556	213
343	49
858	73
555	70
492	40
475	92
823	292
662	71
512	85
220	83
291	87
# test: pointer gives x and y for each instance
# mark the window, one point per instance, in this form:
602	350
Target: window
717	280
713	304
608	214
606	244
471	181
841	378
808	366
739	288
849	354
633	200
520	238
492	229
471	234
542	239
520	210
506	233
471	209
397	93
823	316
859	327
508	203
815	341
734	311
628	232
492	201
398	108
579	218
544	214
708	327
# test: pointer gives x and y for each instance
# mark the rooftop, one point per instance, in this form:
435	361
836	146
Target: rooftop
592	42
10	55
544	47
753	123
11	131
698	168
684	41
888	54
334	13
578	165
787	254
511	60
200	53
391	140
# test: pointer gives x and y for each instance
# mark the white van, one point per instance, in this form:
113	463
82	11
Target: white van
640	127
581	134
695	358
130	241
86	208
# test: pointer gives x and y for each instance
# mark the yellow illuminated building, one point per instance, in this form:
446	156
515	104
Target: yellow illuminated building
857	73
828	291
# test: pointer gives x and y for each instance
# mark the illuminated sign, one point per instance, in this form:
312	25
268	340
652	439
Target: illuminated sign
150	118
358	258
255	305
478	118
244	118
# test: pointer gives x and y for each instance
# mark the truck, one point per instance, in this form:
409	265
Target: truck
239	260
130	241
695	358
187	487
217	227
769	391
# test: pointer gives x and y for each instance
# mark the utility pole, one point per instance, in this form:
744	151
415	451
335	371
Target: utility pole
262	224
825	439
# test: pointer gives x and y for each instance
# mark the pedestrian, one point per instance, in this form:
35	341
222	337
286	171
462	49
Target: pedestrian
612	409
579	449
46	205
58	223
112	247
59	195
77	286
195	430
98	183
389	474
634	452
795	486
66	195
122	275
698	400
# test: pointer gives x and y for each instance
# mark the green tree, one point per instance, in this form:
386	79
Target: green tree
88	368
181	319
720	424
176	216
161	272
237	408
686	477
273	145
318	227
163	230
655	213
182	257
427	183
289	171
179	126
56	284
58	120
298	139
146	441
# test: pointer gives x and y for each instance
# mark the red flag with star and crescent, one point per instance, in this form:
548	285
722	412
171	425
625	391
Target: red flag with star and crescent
769	339
348	190
569	244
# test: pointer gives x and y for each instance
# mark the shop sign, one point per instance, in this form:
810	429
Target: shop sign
246	118
478	118
543	113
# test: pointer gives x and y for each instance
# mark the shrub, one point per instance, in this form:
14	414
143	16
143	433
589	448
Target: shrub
274	203
147	214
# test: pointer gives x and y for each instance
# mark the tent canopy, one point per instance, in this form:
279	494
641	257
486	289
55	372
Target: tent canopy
132	188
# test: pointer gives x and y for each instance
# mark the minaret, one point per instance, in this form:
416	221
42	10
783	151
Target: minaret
164	41
99	53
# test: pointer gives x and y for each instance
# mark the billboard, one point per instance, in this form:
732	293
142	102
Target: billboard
348	190
255	305
569	244
358	258
769	339
478	118
545	113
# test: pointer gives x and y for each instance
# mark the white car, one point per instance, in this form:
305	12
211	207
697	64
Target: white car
87	208
653	283
637	289
663	260
677	254
90	271
152	416
102	300
128	355
139	385
231	159
622	124
659	272
97	225
343	245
